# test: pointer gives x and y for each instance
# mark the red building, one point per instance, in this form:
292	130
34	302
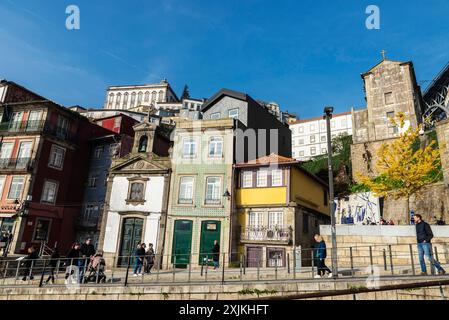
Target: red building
44	160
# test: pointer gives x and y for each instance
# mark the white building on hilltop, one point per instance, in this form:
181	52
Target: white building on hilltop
134	96
309	137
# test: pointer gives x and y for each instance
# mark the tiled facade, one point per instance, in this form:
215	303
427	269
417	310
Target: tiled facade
199	167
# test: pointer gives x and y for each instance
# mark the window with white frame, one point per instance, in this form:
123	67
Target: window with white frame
16	187
189	148
301	153
213	190
185	190
312	127
255	219
262	178
323	150
49	192
98	151
275	220
56	159
216	147
301	129
6	150
2	184
276	178
233	113
89	211
313	151
92	181
247	179
215	115
323	138
312	139
25	148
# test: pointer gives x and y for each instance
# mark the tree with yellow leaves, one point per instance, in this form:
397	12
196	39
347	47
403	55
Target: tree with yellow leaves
404	166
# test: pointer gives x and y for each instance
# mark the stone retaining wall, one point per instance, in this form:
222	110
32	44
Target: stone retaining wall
383	239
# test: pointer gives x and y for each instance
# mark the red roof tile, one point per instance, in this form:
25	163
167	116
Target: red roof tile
271	159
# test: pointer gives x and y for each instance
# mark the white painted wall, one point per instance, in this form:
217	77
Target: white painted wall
154	192
153	195
111	233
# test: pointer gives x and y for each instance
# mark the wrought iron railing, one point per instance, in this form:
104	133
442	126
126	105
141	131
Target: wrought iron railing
89	222
37	126
16	163
22	126
262	233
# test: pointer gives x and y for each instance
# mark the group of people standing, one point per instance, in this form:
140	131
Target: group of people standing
79	256
143	258
424	236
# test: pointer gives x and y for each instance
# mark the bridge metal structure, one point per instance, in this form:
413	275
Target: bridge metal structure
436	99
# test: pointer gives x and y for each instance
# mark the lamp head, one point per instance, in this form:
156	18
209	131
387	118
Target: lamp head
328	110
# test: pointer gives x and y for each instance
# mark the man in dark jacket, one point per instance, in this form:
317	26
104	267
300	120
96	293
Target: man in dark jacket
87	250
216	254
139	255
320	254
424	237
29	262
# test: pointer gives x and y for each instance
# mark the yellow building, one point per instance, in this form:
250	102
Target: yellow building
279	206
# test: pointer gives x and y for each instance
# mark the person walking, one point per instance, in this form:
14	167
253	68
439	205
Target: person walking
73	259
29	263
320	253
87	252
52	264
139	254
424	236
216	254
149	255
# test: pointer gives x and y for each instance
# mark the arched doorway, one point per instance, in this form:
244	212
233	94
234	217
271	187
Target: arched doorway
132	230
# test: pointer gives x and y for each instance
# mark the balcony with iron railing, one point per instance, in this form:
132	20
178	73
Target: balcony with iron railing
38	126
22	126
91	222
266	234
16	164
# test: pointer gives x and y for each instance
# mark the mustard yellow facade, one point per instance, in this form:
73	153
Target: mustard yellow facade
259	196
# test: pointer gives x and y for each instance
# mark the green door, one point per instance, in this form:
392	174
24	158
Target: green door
131	236
210	231
182	243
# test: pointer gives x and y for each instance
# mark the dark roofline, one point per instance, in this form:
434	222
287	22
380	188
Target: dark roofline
8	82
226	92
115	116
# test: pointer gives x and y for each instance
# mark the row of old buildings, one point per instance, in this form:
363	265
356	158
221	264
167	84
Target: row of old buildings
178	173
183	172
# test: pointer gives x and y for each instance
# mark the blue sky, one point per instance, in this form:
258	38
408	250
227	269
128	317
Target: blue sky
301	54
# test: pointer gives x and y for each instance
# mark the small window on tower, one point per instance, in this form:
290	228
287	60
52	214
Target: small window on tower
143	143
389	99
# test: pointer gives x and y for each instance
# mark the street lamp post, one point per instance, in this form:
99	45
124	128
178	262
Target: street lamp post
328	116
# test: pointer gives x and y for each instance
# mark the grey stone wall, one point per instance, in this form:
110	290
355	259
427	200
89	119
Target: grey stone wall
442	130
